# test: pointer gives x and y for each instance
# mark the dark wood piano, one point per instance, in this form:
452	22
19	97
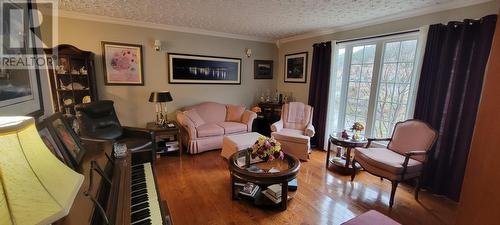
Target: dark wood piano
116	191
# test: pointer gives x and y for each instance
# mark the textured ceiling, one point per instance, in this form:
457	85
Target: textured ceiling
270	19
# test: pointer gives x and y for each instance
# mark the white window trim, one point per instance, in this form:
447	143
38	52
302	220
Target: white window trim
421	36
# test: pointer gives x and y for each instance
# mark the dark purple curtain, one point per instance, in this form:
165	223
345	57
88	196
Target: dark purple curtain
319	88
448	96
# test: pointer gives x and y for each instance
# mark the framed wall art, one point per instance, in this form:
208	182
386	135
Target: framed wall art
68	138
263	69
52	143
122	64
20	90
198	69
296	68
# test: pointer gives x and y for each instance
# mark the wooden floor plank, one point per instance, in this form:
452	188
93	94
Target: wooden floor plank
197	191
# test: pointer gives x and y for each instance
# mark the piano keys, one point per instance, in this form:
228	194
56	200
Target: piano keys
131	197
145	205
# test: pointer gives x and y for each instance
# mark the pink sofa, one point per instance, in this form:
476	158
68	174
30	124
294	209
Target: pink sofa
204	125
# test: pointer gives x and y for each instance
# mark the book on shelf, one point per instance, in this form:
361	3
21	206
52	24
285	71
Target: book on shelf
249	189
274	190
271	197
293	185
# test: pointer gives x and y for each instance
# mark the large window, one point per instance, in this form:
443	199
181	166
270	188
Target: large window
374	83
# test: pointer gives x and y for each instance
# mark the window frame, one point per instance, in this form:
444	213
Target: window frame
380	44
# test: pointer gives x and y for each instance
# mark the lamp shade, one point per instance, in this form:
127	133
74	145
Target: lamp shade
35	187
163	96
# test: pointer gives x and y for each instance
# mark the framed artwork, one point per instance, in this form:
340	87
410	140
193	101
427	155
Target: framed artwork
198	69
52	143
122	64
296	68
20	91
67	137
263	69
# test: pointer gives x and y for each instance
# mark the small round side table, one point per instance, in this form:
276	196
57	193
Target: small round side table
342	162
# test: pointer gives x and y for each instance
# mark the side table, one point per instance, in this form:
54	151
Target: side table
342	162
162	131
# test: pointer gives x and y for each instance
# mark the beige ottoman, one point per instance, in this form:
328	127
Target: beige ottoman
238	142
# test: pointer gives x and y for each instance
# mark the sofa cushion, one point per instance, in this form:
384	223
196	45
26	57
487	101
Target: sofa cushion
386	160
210	112
209	129
291	135
233	127
234	113
194	117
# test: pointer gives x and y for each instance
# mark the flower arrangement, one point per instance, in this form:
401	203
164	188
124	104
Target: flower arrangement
357	127
256	109
267	149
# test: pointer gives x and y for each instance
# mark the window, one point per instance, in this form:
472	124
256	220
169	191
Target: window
374	83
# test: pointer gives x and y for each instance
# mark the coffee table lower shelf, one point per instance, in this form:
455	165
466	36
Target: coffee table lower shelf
260	199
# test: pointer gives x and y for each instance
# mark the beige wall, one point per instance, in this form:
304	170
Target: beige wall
301	91
131	102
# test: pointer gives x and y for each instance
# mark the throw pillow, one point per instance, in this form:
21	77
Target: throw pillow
234	113
195	117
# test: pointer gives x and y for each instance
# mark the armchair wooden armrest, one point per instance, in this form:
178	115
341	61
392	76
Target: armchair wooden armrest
408	155
370	140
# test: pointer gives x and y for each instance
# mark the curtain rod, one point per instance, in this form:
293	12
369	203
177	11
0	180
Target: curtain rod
378	36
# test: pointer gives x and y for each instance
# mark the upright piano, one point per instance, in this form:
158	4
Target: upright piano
116	191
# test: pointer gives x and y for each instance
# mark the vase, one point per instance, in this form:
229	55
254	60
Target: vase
356	136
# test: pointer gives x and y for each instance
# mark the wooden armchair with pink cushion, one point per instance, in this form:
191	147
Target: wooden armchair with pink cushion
295	129
403	158
204	125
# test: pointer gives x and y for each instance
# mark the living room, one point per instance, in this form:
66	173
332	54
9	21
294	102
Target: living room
224	109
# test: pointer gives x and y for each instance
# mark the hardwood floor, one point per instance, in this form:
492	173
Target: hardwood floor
197	191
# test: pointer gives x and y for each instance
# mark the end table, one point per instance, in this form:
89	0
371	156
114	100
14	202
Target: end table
342	162
161	131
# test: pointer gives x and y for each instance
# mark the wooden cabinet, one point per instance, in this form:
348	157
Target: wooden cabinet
72	77
271	112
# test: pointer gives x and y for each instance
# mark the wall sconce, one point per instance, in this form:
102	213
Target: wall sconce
157	45
248	52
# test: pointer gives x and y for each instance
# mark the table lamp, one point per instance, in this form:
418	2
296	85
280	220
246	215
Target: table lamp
35	187
160	98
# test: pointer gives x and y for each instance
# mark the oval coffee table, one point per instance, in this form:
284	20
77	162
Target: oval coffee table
240	161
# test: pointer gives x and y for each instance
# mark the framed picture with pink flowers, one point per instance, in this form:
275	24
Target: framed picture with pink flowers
122	64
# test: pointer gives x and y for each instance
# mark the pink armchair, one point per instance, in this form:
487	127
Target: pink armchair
403	158
295	129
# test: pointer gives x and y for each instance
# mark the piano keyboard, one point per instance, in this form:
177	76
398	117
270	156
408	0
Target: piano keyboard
145	207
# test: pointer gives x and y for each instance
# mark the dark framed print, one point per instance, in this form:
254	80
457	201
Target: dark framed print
122	63
20	90
52	143
263	69
296	68
198	69
67	137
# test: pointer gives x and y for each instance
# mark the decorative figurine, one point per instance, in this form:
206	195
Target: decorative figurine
345	135
60	69
83	71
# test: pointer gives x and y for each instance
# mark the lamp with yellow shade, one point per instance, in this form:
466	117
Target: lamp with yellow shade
35	187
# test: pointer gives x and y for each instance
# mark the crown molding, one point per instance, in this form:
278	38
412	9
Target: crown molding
381	20
128	22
